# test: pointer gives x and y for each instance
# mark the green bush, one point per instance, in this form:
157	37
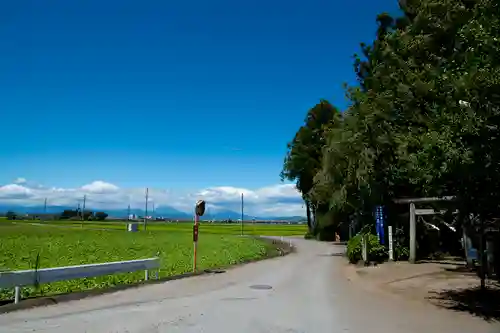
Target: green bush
354	249
376	251
309	235
401	252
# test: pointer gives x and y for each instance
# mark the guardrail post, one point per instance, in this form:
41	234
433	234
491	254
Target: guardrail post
146	275
17	294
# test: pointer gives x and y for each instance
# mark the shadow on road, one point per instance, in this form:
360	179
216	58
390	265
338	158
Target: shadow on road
463	270
484	304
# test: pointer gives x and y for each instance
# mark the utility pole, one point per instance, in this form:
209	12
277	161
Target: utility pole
146	210
78	212
153	214
44	210
128	213
242	214
83	209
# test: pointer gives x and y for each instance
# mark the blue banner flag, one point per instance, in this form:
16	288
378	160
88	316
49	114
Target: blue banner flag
380	223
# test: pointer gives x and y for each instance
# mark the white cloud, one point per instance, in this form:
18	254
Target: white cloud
101	187
19	180
275	200
15	191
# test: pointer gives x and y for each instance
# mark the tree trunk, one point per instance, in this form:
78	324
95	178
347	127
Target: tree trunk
314	220
308	211
482	254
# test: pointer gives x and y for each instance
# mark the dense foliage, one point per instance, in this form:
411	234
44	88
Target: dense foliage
423	121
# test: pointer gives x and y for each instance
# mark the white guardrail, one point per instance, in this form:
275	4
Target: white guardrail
18	279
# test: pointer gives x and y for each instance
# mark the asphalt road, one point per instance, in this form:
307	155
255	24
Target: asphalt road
302	292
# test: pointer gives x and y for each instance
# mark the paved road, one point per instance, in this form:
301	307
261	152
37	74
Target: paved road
309	294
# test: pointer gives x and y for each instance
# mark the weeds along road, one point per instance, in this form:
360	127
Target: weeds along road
302	292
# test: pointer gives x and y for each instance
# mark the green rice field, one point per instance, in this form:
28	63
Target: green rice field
66	243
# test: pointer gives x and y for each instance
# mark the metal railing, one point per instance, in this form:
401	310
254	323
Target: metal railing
19	279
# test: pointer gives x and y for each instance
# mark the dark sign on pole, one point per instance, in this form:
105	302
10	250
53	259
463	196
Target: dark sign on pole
380	223
200	207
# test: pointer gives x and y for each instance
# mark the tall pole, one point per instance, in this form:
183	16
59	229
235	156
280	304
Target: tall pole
146	213
153	215
79	211
195	239
242	214
44	209
199	210
83	209
128	213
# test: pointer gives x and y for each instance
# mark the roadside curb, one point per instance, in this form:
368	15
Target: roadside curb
62	298
284	248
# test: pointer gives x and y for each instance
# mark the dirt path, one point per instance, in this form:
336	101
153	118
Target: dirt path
446	286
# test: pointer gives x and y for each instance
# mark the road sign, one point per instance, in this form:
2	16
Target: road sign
200	207
199	210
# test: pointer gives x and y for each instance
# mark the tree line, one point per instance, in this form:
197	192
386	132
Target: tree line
423	120
67	214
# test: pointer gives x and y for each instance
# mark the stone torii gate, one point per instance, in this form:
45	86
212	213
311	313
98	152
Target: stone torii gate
413	217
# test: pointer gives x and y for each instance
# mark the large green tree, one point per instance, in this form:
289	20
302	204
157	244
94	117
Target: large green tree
406	133
424	120
303	159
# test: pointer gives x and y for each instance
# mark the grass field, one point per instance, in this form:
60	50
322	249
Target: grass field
70	244
205	228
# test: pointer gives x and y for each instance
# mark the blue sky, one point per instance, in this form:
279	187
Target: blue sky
178	95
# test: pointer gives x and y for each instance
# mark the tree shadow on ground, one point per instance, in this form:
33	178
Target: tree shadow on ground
484	304
332	255
462	270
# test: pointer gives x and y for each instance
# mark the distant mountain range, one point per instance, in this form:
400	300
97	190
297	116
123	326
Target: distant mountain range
164	211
